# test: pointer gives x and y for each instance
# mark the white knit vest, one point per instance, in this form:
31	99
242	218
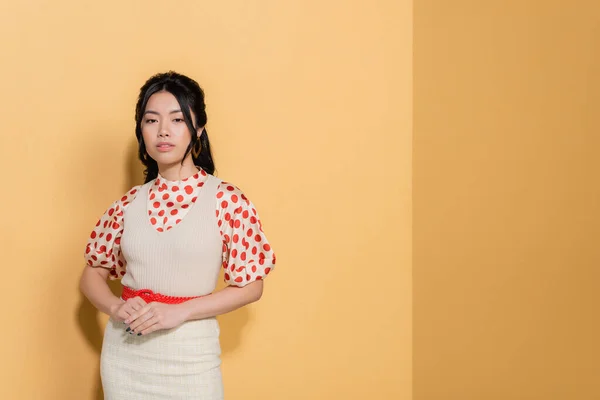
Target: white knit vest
183	261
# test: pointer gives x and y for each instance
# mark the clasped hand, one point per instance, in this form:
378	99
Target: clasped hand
144	318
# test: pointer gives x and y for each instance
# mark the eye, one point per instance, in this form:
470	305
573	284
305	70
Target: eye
150	120
178	120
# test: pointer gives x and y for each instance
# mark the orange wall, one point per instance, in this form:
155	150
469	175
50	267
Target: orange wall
309	108
506	200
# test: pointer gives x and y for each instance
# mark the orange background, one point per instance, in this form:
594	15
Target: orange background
309	106
506	200
311	113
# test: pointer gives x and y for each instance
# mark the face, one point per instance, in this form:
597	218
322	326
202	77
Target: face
165	132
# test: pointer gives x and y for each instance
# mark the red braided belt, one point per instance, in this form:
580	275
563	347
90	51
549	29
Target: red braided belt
149	296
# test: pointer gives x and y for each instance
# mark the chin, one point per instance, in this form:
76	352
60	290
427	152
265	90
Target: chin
166	159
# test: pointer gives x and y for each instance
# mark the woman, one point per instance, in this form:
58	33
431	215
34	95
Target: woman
167	240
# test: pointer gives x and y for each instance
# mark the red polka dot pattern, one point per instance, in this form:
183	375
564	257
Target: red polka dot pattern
247	254
170	201
103	248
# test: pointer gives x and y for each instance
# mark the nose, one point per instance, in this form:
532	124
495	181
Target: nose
163	131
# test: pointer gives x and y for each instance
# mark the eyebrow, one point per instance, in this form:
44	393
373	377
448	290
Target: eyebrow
156	113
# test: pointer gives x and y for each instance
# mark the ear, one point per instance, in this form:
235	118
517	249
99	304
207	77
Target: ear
200	130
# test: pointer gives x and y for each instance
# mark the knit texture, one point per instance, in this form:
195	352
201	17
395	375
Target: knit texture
183	261
183	362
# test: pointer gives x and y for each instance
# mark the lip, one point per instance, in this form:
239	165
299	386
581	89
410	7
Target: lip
164	146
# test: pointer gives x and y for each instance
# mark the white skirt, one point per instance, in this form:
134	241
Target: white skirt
179	363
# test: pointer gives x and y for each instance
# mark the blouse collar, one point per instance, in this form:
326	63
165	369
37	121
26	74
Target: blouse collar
193	180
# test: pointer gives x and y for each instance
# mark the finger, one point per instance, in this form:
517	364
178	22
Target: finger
145	324
136	304
151	328
141	320
126	311
140	302
129	308
122	314
133	304
136	314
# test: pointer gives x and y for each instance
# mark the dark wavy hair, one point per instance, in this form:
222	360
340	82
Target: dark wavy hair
190	97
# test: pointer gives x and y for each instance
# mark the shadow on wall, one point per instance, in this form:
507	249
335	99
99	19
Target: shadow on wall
87	316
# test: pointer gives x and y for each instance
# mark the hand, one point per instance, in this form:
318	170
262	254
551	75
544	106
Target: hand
154	316
120	312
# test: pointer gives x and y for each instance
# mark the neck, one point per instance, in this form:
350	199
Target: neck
177	172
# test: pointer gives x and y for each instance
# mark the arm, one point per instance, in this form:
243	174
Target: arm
104	259
226	300
94	286
155	316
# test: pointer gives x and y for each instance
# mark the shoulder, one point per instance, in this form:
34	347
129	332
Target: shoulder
130	195
228	193
121	204
110	225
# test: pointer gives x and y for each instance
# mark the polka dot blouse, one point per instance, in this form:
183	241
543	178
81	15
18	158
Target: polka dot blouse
247	255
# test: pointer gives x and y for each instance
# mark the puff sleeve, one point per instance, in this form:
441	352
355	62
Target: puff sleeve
247	254
103	247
